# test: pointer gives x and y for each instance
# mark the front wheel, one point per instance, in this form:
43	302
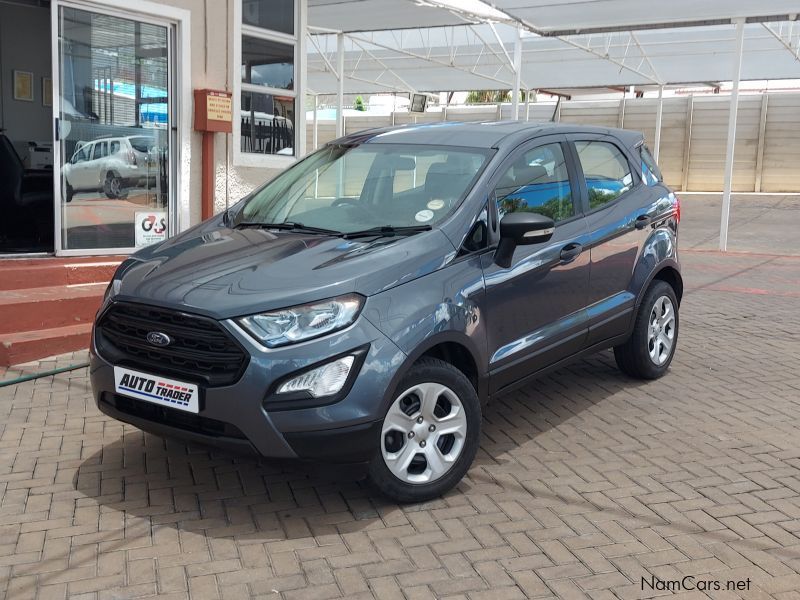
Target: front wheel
430	434
649	351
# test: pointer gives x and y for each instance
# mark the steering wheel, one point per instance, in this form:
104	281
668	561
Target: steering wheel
356	203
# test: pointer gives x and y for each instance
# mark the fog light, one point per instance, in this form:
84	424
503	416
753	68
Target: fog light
322	381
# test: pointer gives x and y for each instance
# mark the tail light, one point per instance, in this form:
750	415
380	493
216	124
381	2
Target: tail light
131	158
677	209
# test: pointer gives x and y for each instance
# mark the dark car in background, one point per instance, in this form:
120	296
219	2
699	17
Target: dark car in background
363	305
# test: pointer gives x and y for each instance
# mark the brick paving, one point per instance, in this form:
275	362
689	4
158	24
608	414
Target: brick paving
585	483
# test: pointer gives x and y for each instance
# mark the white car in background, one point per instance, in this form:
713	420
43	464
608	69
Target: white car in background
110	165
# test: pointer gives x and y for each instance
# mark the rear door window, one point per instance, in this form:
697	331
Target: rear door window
606	170
100	150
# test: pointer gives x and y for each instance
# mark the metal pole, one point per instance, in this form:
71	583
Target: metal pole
659	114
517	73
340	89
315	134
726	192
527	105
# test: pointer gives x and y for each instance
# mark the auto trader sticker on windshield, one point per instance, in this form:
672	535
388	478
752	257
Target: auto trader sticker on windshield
435	204
156	389
424	215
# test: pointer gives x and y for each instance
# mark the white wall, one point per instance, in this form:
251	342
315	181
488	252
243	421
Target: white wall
693	134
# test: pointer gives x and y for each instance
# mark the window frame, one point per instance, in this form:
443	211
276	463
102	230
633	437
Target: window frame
572	172
584	189
298	42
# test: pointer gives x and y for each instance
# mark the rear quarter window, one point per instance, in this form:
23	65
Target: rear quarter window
651	174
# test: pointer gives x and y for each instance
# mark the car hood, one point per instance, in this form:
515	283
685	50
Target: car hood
223	272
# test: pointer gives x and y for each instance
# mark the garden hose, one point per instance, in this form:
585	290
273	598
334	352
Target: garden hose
32	376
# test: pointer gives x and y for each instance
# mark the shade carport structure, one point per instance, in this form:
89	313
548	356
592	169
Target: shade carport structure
419	46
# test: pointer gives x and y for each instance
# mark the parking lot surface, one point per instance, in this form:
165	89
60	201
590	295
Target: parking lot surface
587	484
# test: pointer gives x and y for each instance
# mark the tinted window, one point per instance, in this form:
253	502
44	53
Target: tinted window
267	63
81	155
99	150
142	144
277	15
607	173
651	174
537	182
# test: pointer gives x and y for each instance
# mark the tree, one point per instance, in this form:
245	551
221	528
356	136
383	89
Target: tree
492	96
359	104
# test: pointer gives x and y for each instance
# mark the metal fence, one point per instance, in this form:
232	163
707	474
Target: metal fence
693	134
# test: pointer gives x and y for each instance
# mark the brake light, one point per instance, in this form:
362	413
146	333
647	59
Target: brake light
131	158
677	205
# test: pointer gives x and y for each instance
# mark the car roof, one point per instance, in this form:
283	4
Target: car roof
490	134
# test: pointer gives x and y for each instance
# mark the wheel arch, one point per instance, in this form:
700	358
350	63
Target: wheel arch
454	348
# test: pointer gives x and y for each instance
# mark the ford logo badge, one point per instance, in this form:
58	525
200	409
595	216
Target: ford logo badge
156	338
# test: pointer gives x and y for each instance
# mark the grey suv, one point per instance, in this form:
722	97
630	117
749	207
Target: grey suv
363	305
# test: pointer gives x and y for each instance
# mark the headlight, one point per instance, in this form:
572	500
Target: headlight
116	281
299	323
322	381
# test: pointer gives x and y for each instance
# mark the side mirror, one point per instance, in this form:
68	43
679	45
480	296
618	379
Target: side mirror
519	229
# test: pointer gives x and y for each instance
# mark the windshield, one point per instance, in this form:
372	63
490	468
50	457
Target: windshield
350	189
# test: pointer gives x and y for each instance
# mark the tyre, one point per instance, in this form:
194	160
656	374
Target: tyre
113	186
430	433
648	352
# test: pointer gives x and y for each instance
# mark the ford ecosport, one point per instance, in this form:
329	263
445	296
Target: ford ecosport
364	304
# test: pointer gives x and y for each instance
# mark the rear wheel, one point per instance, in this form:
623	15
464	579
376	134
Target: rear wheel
649	351
113	186
430	433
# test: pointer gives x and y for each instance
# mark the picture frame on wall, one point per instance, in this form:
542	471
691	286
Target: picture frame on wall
23	86
47	91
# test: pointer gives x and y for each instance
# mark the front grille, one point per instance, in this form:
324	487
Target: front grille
201	350
172	417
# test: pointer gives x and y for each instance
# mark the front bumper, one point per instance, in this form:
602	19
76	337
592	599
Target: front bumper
244	416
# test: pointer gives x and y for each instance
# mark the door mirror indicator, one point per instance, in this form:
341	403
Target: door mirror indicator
519	229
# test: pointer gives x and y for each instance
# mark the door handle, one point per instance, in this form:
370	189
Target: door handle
643	221
570	252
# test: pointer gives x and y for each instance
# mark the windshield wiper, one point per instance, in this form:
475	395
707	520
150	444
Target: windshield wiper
288	226
386	231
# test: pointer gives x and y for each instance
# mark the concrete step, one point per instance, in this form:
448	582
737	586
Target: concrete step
49	307
25	346
19	274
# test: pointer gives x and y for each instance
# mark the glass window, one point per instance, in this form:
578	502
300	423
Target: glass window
606	170
142	144
651	174
81	155
350	189
277	15
113	72
267	63
267	124
537	182
100	150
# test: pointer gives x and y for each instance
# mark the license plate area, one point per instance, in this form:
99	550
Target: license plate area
156	389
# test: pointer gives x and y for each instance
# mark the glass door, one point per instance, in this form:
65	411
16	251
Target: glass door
113	132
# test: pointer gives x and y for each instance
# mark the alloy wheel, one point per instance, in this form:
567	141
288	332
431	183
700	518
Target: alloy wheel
661	330
423	433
